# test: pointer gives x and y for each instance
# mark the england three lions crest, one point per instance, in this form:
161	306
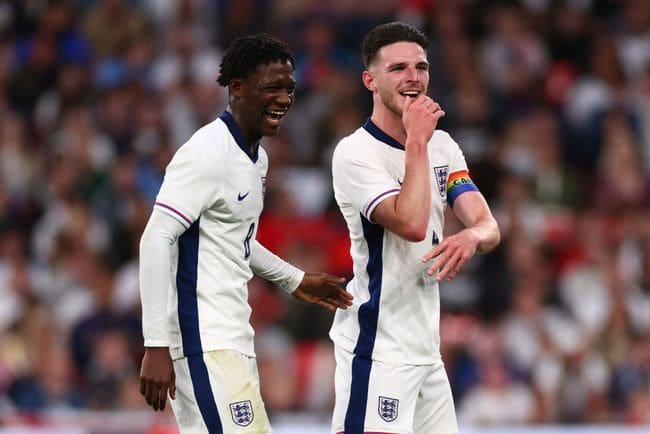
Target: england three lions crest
388	408
442	173
242	412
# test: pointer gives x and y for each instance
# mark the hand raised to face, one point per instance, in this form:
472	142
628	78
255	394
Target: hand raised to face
420	117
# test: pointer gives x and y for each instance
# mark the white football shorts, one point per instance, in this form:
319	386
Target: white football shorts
378	397
219	393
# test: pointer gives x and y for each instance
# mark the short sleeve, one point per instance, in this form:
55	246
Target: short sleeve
458	180
360	178
191	179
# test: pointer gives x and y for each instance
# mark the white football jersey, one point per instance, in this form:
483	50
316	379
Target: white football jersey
215	187
396	311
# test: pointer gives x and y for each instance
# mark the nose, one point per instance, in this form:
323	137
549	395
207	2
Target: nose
285	97
412	74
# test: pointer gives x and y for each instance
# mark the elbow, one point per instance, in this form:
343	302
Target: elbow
496	238
413	232
491	242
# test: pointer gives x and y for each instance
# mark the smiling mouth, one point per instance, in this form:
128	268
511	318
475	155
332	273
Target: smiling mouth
275	116
411	93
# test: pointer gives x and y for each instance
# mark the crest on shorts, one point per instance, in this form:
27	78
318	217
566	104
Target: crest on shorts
388	408
441	173
242	412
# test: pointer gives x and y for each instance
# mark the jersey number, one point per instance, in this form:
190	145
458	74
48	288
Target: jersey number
435	241
247	241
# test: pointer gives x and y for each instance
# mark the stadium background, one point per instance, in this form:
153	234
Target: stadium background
550	101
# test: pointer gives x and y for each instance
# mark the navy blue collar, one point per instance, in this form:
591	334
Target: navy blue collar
229	120
378	134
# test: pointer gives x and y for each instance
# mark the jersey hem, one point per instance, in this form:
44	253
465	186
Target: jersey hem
344	342
178	353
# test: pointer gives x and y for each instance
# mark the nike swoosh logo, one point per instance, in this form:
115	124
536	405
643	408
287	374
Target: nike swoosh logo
241	197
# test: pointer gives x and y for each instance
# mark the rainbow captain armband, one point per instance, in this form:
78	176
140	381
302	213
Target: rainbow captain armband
457	184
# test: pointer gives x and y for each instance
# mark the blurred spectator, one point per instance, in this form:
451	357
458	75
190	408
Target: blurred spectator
497	398
127	24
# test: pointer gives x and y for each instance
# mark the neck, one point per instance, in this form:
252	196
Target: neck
252	139
389	122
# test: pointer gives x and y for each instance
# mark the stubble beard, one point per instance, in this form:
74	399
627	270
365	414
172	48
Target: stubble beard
389	100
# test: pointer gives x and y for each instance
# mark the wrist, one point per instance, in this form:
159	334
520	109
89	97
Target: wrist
417	146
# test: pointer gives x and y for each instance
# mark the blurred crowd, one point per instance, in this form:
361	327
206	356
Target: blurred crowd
549	99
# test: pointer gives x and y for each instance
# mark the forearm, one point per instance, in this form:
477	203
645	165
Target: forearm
273	268
156	247
474	212
407	214
486	231
414	201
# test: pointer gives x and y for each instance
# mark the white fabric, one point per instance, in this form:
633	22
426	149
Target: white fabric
366	170
156	246
271	267
215	190
231	379
420	396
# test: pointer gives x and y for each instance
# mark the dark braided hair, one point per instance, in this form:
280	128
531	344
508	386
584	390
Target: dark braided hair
389	33
247	53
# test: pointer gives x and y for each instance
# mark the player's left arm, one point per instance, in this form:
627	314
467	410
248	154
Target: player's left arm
322	289
481	234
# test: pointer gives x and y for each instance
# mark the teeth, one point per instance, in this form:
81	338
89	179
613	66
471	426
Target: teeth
410	93
276	112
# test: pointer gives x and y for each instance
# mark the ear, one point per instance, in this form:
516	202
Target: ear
236	87
368	81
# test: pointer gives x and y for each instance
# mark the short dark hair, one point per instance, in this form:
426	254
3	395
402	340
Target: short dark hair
389	33
247	53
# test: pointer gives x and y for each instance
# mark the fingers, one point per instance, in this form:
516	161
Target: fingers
407	103
336	281
438	112
340	297
437	265
161	399
450	257
449	269
326	305
344	296
426	104
337	301
334	297
432	253
337	295
324	290
155	394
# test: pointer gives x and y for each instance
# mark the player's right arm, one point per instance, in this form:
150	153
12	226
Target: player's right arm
156	374
407	213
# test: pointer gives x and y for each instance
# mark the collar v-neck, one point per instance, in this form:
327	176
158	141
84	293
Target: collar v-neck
229	120
380	135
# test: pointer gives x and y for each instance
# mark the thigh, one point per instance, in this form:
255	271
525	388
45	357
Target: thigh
373	396
218	392
434	412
